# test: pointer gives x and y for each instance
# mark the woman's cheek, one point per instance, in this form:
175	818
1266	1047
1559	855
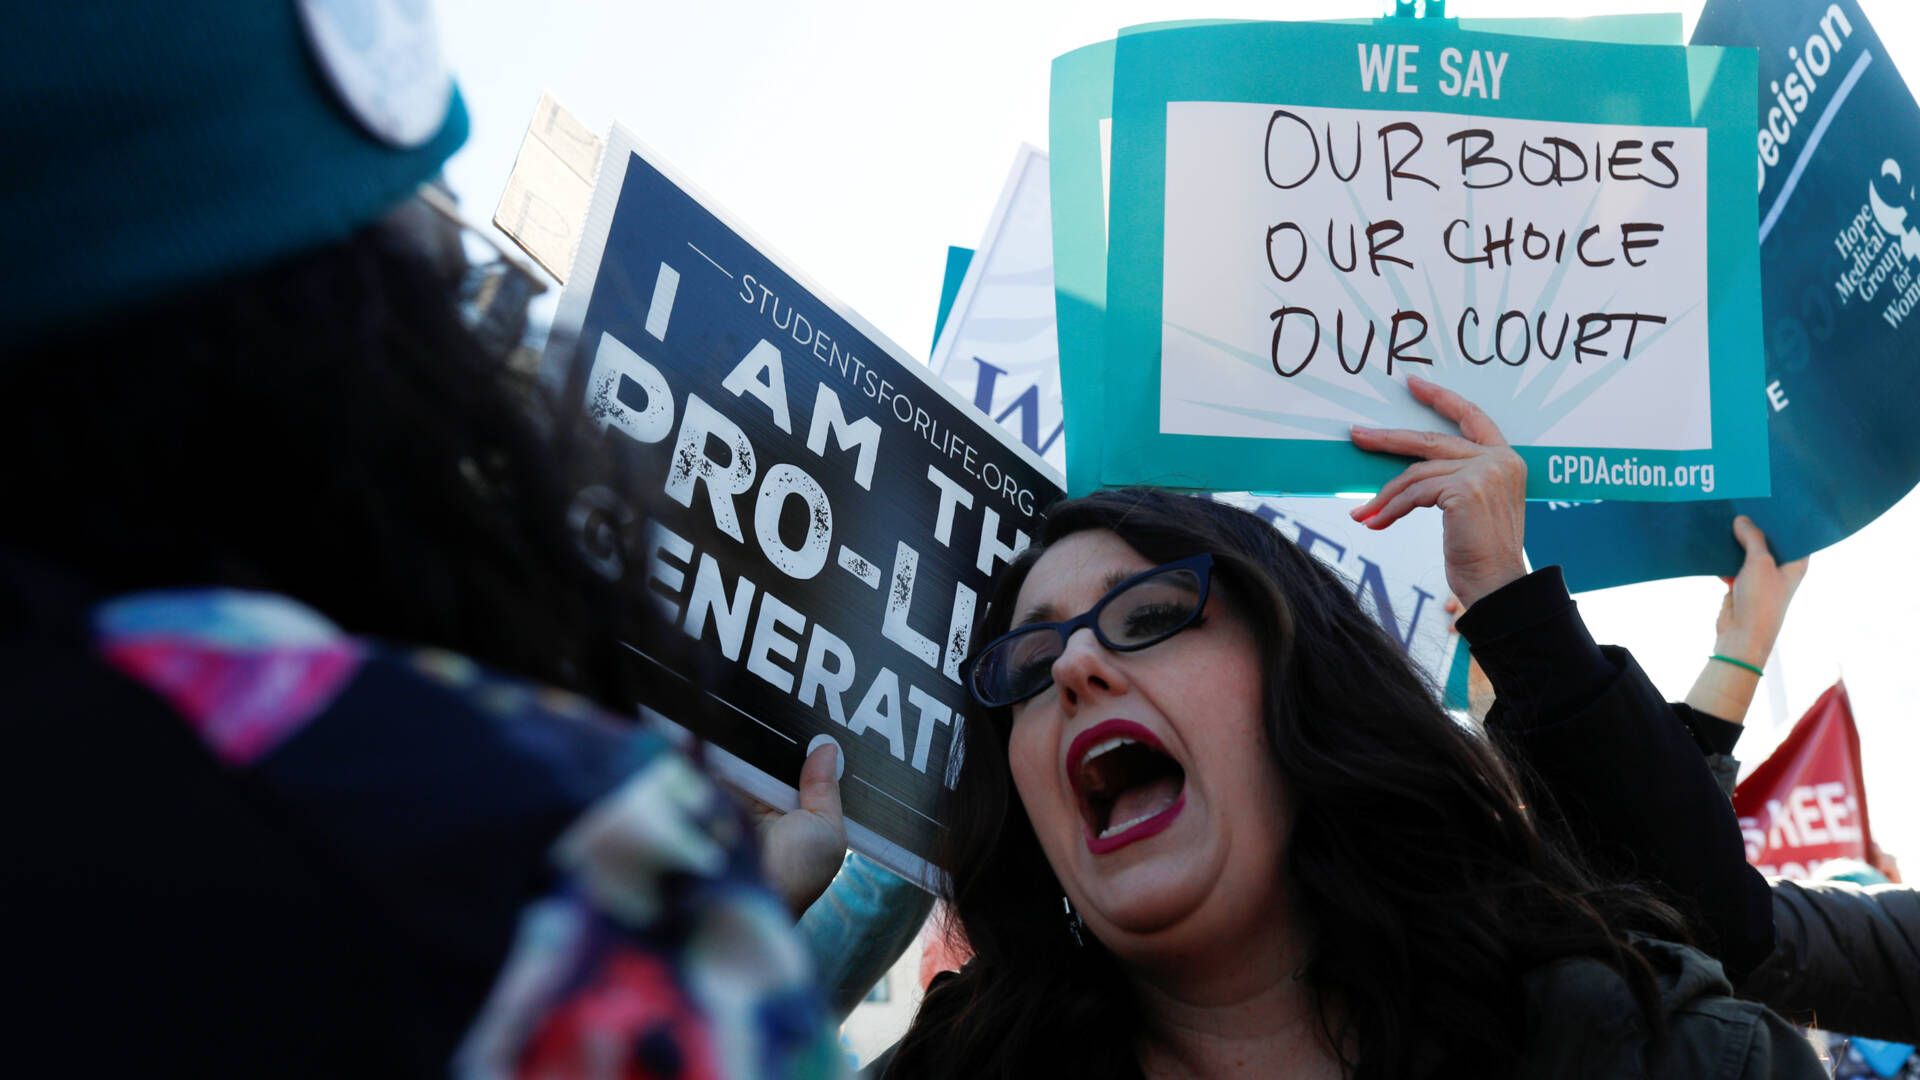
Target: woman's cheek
1030	766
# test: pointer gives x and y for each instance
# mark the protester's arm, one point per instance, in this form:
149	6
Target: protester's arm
1750	618
1848	959
1749	622
859	927
1620	764
1589	726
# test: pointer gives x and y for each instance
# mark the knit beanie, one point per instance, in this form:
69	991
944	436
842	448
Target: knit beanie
153	147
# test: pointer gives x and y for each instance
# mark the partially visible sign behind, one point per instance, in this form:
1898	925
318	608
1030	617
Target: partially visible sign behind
1399	575
1556	229
1000	348
828	515
1807	804
1837	158
551	187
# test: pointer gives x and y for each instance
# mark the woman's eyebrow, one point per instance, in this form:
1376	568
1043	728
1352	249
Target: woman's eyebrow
1035	614
1046	613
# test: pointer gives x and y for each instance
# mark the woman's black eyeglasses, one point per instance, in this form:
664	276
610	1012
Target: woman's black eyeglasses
1143	610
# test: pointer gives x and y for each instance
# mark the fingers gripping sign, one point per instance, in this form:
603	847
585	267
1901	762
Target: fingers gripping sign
1751	615
1474	478
801	849
1756	602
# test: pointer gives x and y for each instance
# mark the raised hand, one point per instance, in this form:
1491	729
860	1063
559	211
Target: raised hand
1475	478
1756	603
1751	615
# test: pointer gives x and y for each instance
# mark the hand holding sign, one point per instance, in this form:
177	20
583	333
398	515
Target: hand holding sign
1476	480
1757	599
801	849
1750	618
821	515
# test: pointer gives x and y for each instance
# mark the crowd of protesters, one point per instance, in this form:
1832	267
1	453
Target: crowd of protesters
321	758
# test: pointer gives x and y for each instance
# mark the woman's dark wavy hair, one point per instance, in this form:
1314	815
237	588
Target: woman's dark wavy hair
327	428
1429	888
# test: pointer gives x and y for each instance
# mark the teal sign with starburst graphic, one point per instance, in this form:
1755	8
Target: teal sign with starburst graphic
1301	215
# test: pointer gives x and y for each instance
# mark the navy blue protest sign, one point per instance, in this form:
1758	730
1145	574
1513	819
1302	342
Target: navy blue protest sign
1837	165
826	515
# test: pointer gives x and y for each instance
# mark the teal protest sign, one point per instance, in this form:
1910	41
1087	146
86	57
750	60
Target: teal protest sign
1079	127
1079	106
1836	157
957	260
1268	280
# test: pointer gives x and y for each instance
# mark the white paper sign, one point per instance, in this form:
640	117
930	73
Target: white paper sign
551	187
1399	574
998	346
1501	251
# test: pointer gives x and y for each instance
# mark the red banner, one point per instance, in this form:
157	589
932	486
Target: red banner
1807	803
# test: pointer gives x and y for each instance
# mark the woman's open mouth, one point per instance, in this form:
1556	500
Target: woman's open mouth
1127	785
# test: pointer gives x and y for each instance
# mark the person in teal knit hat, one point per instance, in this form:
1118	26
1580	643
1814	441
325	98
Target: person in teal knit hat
320	755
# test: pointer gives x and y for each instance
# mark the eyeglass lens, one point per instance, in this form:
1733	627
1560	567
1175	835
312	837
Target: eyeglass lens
1144	613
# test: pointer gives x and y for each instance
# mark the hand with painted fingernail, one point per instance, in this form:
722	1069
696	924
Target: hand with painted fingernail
1474	478
801	849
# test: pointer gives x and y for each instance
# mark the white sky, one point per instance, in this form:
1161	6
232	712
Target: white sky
861	139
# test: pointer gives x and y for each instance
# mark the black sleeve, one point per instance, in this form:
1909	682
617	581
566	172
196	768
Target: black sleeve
1848	959
1715	736
1621	766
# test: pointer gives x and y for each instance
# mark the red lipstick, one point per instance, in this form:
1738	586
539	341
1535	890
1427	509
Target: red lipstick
1086	744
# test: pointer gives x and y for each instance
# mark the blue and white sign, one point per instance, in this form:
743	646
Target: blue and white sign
1836	161
1399	575
823	514
998	345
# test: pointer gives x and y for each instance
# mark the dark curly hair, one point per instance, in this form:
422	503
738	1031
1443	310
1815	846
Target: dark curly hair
1429	886
326	428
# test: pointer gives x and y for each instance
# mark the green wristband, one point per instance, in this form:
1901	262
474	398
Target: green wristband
1738	664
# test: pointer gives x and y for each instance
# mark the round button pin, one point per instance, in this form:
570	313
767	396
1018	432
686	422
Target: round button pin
382	60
